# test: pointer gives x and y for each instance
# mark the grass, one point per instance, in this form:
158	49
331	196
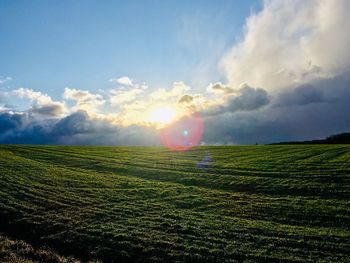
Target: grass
19	251
131	204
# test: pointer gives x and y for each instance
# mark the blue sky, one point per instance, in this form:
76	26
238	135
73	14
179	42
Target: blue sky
120	72
50	45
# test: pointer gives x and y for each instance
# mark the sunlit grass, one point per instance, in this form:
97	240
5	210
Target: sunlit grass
257	203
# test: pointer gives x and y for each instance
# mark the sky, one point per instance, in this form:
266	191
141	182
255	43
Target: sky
48	45
157	72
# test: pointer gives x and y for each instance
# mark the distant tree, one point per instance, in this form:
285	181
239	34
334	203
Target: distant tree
341	138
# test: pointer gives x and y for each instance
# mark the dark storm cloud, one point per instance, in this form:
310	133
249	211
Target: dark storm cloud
302	95
75	129
248	99
76	123
32	134
79	129
309	112
10	121
22	128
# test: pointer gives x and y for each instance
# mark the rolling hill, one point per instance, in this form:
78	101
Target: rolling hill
277	203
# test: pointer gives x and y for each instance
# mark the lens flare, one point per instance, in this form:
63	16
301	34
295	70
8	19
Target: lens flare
184	134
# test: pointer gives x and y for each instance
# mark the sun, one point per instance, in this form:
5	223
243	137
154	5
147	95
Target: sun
161	116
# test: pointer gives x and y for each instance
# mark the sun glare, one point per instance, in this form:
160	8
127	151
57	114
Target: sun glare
162	116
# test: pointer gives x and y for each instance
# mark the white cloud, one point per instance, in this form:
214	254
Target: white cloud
3	80
291	42
126	94
219	88
122	96
85	100
33	95
41	103
178	89
76	94
126	81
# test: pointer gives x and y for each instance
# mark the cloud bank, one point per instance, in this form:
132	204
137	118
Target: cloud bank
288	78
291	42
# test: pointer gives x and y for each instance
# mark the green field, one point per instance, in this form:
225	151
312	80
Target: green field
134	204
